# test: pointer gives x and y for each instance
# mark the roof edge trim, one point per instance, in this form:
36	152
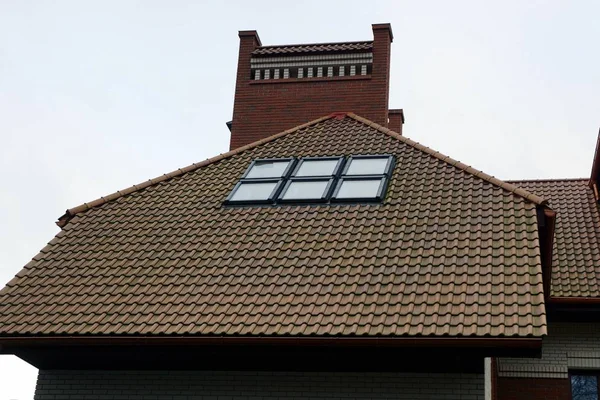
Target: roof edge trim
70	213
455	163
401	341
572	300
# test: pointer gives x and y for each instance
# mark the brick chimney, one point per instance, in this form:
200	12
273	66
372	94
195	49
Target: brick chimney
279	87
396	120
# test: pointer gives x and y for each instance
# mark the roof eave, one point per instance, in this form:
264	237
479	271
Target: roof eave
528	342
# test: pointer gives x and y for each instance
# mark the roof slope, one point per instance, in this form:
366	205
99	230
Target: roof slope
576	253
447	253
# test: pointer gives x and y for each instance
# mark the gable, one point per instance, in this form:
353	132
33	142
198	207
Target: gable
447	253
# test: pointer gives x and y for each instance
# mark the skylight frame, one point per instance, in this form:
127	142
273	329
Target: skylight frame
324	196
387	170
383	177
378	198
269	200
286	172
334	181
336	170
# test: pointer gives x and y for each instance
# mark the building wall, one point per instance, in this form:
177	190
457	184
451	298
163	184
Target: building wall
533	389
184	385
568	346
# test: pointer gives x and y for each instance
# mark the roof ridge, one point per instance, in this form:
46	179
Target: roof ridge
71	212
455	163
313	44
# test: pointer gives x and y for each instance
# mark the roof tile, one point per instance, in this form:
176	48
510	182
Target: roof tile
576	253
443	255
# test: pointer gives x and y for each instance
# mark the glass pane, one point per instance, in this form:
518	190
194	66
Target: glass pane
299	190
268	169
584	387
359	189
317	168
367	166
253	191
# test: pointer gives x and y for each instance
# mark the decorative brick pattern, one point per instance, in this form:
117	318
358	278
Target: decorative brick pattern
183	385
573	345
314	48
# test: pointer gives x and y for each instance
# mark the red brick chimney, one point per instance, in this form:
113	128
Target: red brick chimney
279	87
396	120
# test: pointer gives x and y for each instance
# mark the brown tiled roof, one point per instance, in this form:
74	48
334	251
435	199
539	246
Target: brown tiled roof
313	48
576	258
450	252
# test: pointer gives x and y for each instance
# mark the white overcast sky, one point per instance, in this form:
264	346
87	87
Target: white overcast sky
97	96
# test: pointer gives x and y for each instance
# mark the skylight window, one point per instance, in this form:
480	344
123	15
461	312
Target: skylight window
313	180
254	191
364	178
268	168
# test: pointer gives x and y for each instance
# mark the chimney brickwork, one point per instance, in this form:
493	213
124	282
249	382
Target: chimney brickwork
396	120
279	87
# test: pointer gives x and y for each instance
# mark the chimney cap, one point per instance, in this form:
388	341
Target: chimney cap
254	34
397	111
387	26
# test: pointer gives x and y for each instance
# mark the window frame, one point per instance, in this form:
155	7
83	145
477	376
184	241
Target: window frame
269	200
384	178
335	173
584	372
286	172
383	183
388	167
324	197
334	181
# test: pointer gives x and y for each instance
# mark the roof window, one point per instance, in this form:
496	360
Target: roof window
361	178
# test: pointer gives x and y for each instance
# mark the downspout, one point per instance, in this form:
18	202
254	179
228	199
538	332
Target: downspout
487	365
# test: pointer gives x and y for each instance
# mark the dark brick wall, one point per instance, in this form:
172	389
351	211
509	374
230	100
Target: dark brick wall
187	385
533	389
264	108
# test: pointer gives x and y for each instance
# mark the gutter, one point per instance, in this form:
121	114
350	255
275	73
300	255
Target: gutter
573	300
454	342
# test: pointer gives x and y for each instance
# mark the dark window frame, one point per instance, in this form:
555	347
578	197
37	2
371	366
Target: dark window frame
584	372
286	172
388	167
335	181
336	170
274	193
324	198
383	183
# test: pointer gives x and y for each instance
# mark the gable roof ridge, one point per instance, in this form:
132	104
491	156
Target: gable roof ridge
455	163
71	212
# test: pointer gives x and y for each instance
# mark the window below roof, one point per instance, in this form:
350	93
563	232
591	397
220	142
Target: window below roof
354	179
584	385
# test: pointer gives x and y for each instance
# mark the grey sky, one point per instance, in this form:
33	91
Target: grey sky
97	96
